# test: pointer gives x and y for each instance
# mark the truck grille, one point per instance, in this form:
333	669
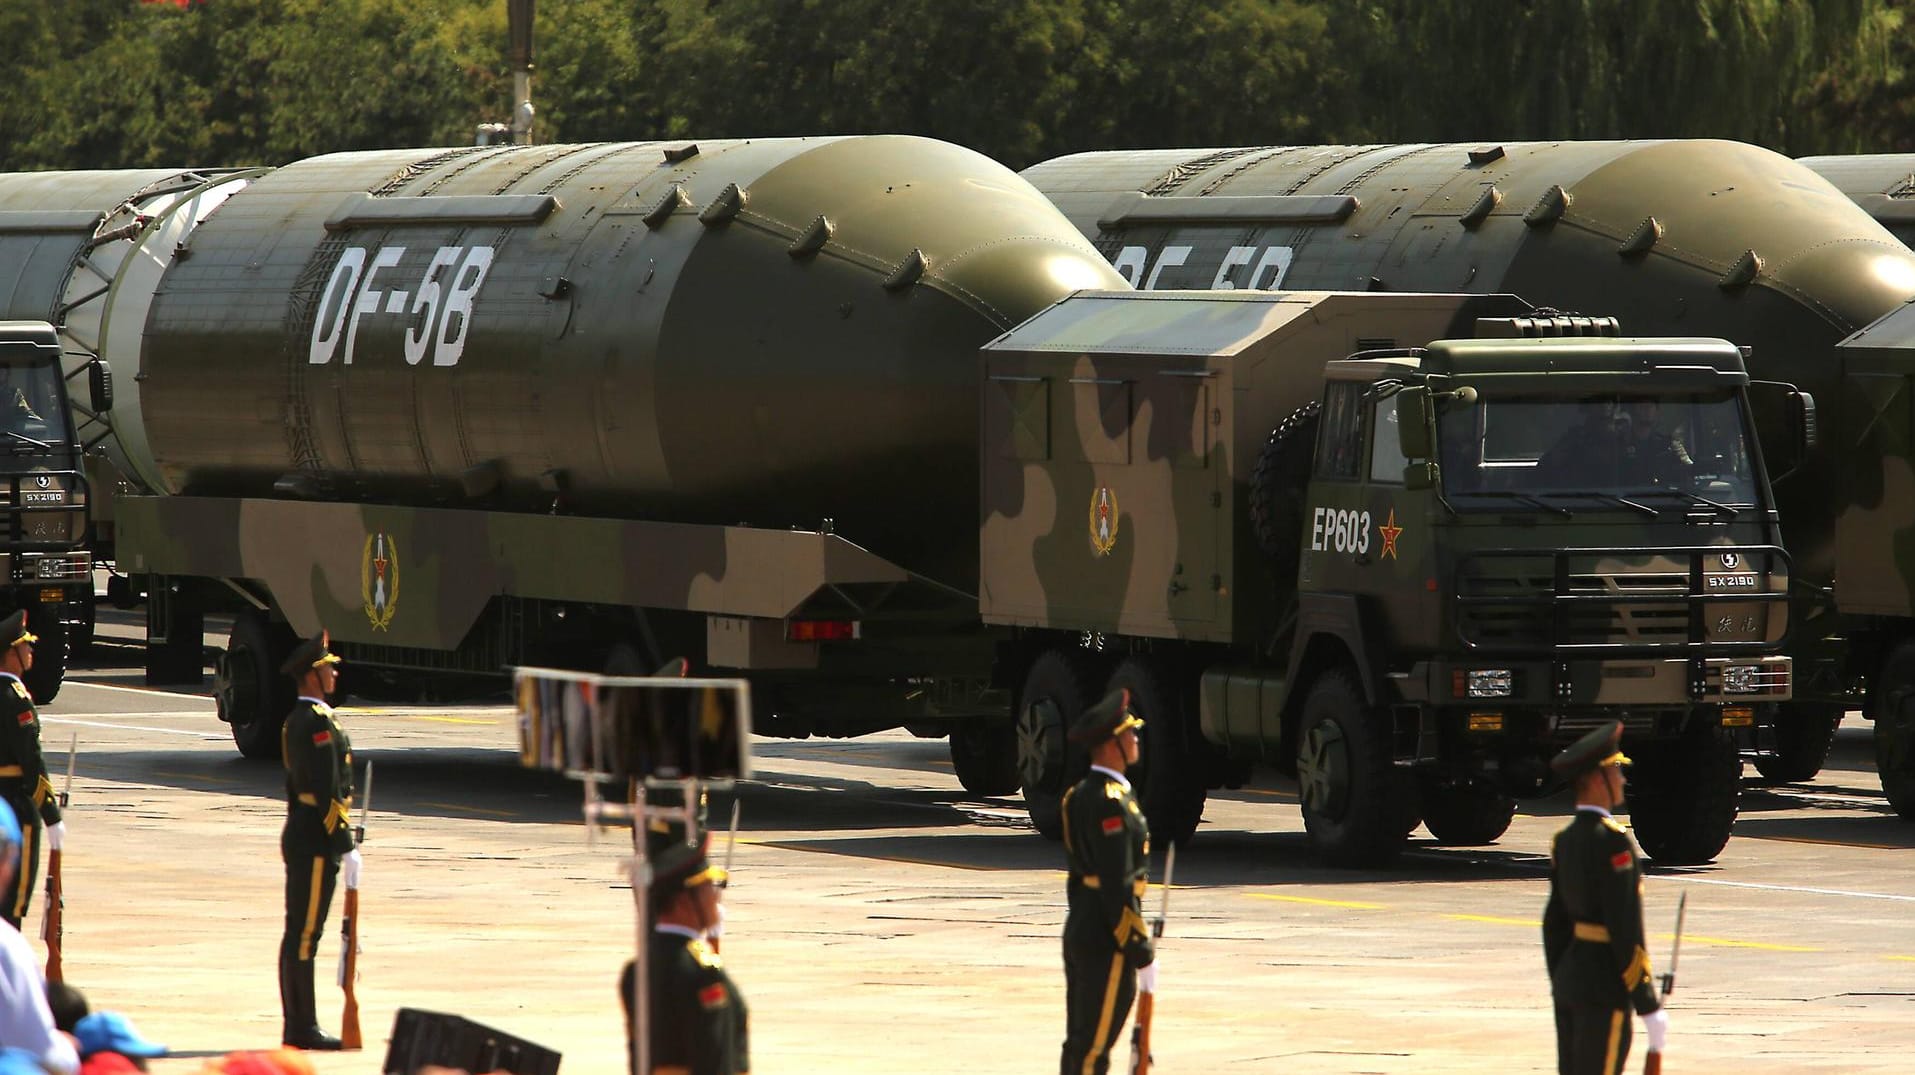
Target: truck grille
1619	600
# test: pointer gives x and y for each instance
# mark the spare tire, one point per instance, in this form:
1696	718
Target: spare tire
1277	484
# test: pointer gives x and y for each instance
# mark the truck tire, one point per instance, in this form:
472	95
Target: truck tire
1277	481
984	756
1056	690
1351	797
1892	707
1803	734
1464	813
43	680
1683	796
1167	772
251	694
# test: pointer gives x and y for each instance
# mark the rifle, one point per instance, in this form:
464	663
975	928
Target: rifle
731	845
1147	1002
53	925
349	935
1652	1063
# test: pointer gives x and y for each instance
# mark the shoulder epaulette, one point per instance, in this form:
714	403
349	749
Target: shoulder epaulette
702	954
1112	789
1613	824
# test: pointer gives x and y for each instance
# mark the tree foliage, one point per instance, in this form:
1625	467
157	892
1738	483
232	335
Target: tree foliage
123	83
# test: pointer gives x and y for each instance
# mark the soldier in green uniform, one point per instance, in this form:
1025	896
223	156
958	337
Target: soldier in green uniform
1107	950
23	771
317	836
697	1021
1593	940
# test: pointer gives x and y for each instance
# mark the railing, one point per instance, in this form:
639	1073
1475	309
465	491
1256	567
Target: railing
1567	603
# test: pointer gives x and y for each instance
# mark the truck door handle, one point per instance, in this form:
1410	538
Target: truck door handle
1177	587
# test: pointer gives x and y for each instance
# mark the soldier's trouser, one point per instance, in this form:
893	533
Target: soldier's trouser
1098	988
309	885
1591	1040
19	895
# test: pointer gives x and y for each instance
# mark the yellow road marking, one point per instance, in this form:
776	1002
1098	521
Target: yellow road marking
1828	843
1724	942
1352	904
456	720
1494	920
472	809
1901	959
194	776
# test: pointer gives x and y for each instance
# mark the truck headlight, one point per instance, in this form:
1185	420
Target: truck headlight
1742	679
1489	683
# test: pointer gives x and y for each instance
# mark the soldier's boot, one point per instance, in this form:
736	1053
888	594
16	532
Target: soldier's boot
301	1026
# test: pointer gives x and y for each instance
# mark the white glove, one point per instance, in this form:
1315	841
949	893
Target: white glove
717	929
56	835
1656	1023
352	863
1147	979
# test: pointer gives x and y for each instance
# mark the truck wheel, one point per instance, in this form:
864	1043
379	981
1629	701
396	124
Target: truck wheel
984	755
1277	482
1892	707
43	680
1803	735
1683	796
1056	690
1169	776
1351	804
251	694
1465	813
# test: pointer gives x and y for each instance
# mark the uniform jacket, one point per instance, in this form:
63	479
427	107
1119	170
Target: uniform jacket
1592	925
28	791
699	1021
318	759
1108	842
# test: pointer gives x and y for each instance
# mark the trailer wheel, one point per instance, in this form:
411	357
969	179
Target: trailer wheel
1277	481
1683	796
1803	735
1892	707
1167	771
43	680
1351	800
984	755
251	694
1465	813
1056	690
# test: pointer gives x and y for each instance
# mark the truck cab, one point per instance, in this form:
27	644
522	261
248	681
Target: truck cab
48	569
1545	534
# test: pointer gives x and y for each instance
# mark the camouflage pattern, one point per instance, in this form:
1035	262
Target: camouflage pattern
421	577
1692	237
1117	433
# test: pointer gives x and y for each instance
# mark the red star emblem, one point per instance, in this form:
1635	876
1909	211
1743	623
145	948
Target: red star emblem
1390	531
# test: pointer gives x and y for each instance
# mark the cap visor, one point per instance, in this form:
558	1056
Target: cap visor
330	658
1618	758
26	636
1131	720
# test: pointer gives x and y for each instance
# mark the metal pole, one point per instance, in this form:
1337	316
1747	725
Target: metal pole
641	963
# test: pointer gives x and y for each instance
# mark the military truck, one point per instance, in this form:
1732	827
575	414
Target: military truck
1402	547
48	567
1675	237
584	406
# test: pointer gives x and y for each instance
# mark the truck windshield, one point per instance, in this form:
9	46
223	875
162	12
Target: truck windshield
33	418
1692	449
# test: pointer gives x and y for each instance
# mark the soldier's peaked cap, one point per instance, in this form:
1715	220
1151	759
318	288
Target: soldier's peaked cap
684	865
13	630
308	655
1592	751
1105	719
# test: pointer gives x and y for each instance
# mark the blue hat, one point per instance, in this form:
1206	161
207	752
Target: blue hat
111	1032
9	826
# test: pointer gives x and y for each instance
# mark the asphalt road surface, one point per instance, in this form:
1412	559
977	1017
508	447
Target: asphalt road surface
884	921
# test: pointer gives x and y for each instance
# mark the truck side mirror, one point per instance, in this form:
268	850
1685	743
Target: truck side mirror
1413	421
1802	422
99	385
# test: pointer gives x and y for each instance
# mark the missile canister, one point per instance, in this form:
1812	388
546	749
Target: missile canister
770	332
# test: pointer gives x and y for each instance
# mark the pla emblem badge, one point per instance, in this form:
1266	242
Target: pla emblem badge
1103	520
379	579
